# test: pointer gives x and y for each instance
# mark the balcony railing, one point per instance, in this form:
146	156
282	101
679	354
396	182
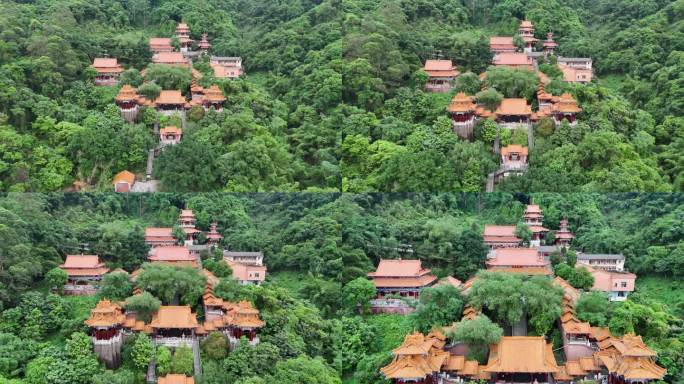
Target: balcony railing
115	339
385	303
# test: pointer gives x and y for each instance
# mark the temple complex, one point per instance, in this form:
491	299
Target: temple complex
513	113
84	272
563	235
226	67
526	33
183	36
526	261
213	98
403	278
123	181
214	237
170	136
522	359
513	160
500	236
170	58
441	75
606	262
533	217
128	102
156	237
502	44
160	44
174	255
629	360
513	60
550	45
173	326
417	360
187	222
108	71
170	103
576	69
105	323
464	113
204	45
616	284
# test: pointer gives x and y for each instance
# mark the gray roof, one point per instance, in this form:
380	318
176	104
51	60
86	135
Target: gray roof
567	59
600	256
239	253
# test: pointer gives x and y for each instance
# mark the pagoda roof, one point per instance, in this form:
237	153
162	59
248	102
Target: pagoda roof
514	148
549	43
521	354
501	40
440	68
105	314
187	214
176	379
174	317
83	265
462	103
514	107
570	293
533	208
566	104
124	177
214	94
633	368
454	363
600	333
450	280
633	345
107	65
127	93
244	315
587	363
414	344
562	374
169	98
526	24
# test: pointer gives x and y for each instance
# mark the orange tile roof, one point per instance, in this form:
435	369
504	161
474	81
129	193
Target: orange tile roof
521	354
450	280
499	230
127	93
214	94
600	333
407	282
526	24
526	257
576	328
470	368
587	364
462	103
562	374
531	271
454	363
501	42
566	104
171	253
440	68
399	268
169	131
513	107
417	357
160	41
124	177
83	265
176	379
105	314
107	65
512	59
158	232
174	317
170	98
169	58
514	148
573	368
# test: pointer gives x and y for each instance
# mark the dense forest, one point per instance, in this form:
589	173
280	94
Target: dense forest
318	248
333	96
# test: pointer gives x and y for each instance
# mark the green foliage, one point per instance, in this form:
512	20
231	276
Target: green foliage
523	232
490	98
356	295
304	370
142	352
163	361
172	284
182	362
478	334
215	346
56	277
579	277
220	268
168	76
437	306
144	305
116	286
593	307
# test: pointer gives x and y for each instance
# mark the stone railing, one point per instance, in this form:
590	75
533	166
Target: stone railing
174	342
382	303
